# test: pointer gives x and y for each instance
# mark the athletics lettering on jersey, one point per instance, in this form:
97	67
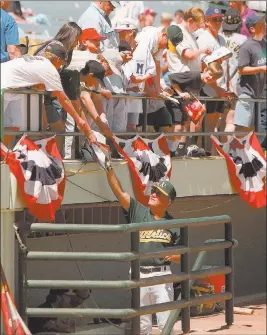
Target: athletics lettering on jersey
159	236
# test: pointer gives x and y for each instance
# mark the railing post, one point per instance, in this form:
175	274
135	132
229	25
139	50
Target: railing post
229	278
256	116
40	107
2	116
28	108
22	271
185	289
145	107
135	275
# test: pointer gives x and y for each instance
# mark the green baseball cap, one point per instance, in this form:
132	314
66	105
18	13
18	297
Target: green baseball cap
166	188
175	35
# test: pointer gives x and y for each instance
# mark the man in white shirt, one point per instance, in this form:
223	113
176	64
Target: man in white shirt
39	72
130	10
126	29
231	26
97	16
145	65
185	57
213	40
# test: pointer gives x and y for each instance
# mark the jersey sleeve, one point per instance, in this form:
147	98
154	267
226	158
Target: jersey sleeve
181	47
244	58
49	76
134	211
11	32
185	78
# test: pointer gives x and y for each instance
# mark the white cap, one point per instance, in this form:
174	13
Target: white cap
113	57
126	24
115	4
166	16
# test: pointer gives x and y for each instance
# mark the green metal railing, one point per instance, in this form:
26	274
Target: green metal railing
144	132
186	277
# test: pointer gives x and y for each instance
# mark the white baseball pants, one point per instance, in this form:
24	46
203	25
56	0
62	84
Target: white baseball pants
155	295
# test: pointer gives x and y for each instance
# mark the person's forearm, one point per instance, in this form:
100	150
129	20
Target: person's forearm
219	91
165	68
89	105
156	79
192	54
98	103
114	183
68	107
176	88
249	70
13	51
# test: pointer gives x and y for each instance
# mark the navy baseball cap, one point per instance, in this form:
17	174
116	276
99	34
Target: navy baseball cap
252	19
212	12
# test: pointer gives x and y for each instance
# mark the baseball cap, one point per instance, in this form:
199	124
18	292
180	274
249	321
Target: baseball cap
91	34
150	11
114	60
166	188
58	50
126	24
175	34
211	12
115	4
252	19
232	19
97	69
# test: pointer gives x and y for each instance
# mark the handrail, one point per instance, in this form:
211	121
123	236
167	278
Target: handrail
126	313
129	228
186	277
136	96
124	256
146	134
127	284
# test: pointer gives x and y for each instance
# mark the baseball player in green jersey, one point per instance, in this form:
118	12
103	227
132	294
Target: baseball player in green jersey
162	195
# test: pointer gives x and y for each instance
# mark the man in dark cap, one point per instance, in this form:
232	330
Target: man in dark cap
162	196
252	68
58	298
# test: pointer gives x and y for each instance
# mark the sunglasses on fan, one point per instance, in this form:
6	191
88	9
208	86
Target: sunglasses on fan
217	19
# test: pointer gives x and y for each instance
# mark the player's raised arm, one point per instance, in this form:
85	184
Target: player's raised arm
114	183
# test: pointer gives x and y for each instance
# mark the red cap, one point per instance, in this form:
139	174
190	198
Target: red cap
91	34
150	11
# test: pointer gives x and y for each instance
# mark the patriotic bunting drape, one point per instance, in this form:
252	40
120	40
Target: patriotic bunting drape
246	167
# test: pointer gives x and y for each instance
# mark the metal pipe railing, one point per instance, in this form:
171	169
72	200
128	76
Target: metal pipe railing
137	96
133	227
126	313
134	96
128	284
186	277
124	256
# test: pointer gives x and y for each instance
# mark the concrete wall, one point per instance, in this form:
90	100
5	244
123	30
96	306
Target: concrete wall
250	258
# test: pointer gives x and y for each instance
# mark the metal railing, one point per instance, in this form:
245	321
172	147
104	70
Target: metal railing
134	256
40	132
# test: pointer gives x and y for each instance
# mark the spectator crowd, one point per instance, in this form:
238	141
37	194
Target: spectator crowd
116	49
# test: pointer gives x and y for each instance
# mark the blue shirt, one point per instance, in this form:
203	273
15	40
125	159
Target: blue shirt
9	34
96	18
